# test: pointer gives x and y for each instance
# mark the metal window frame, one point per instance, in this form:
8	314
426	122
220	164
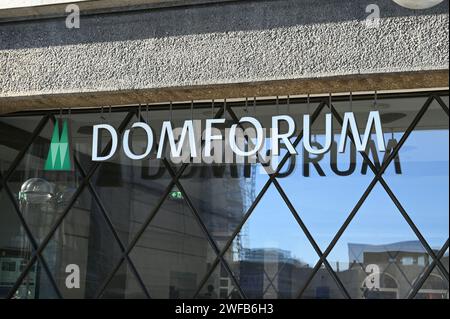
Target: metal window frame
272	179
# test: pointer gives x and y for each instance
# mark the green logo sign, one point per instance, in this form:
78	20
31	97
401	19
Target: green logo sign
58	158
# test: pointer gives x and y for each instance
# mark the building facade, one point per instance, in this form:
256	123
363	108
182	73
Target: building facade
360	219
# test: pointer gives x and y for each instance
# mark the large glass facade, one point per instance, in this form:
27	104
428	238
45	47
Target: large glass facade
338	225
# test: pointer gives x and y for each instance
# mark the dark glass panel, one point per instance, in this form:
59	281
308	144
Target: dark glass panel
173	254
124	285
36	285
43	194
15	246
15	132
84	240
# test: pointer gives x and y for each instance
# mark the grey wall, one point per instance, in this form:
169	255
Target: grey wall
233	42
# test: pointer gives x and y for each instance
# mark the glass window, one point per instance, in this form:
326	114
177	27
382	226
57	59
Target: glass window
229	230
407	261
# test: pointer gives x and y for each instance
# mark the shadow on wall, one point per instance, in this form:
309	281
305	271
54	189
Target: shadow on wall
208	18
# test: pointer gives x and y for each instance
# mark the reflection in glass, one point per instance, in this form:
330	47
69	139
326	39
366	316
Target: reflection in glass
322	286
219	286
377	256
444	260
173	254
15	250
83	239
325	188
423	186
15	132
41	195
271	257
435	287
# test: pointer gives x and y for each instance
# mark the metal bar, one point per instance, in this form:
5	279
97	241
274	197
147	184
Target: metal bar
111	226
12	198
426	274
258	197
441	103
310	238
413	227
65	212
292	209
272	178
232	237
272	280
367	192
139	233
390	193
33	241
204	228
23	152
392	263
147	222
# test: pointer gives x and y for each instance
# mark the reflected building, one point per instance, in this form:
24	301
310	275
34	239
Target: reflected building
372	272
135	231
390	271
269	273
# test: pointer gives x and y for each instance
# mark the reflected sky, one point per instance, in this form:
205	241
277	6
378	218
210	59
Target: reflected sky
325	202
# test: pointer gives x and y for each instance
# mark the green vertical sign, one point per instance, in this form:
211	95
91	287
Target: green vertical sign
58	158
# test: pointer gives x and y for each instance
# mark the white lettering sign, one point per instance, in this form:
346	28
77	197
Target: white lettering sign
236	143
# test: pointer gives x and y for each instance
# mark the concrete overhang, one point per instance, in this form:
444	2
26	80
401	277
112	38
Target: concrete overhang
233	49
398	82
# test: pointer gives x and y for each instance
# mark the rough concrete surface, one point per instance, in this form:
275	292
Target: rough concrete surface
236	42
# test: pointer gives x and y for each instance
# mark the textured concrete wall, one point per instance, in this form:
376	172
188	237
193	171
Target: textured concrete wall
234	42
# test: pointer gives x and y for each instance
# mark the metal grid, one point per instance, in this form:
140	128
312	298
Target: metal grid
272	179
